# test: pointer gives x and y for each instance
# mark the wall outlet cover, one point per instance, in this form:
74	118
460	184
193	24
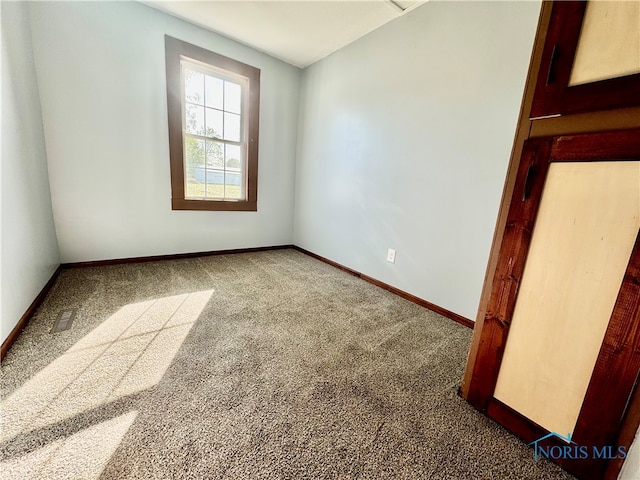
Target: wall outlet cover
391	255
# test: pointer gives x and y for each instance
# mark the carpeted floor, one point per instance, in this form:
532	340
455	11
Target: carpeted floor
248	366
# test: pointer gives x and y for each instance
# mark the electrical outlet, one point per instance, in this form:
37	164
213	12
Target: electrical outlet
391	255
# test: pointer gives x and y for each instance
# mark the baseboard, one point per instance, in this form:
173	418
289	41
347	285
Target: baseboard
174	256
401	293
24	320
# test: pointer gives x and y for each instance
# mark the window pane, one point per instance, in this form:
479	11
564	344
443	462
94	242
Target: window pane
232	97
194	167
233	158
232	185
232	127
193	86
215	183
214	123
194	119
213	92
215	154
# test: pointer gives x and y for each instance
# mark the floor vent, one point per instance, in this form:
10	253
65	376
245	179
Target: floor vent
64	320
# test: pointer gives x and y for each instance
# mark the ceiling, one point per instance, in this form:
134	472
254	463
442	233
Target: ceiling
300	32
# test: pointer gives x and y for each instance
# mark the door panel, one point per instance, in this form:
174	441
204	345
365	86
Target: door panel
619	23
585	230
589	59
572	366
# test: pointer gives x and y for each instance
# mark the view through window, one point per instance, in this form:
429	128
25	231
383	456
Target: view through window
215	152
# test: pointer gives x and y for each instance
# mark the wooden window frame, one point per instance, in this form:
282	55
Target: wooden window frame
606	406
175	50
553	95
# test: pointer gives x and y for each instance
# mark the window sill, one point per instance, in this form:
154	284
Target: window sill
214	205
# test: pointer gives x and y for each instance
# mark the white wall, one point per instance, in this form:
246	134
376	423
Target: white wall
631	466
404	141
29	249
101	71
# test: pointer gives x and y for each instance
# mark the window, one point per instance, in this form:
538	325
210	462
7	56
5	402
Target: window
213	107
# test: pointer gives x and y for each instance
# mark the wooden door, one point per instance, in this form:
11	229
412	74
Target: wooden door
560	345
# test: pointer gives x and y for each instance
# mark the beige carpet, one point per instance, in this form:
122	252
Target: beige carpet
250	366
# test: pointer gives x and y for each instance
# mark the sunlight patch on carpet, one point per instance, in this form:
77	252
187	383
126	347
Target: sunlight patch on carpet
127	353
